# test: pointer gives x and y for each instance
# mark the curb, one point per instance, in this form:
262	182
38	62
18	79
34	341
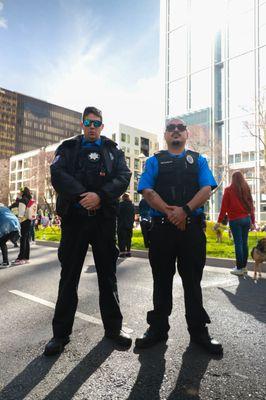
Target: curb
210	261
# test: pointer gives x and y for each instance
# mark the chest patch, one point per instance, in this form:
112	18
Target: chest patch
189	159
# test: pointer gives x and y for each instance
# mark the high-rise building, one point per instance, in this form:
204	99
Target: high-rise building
214	69
137	145
27	123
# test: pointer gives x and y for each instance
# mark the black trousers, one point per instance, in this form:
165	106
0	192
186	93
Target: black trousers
188	248
77	233
124	236
145	230
24	253
3	245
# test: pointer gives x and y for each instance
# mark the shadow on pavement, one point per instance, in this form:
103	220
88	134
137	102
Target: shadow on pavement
249	297
151	373
75	379
194	365
30	377
91	268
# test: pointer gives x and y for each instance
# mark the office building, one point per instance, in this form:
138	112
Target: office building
214	70
27	123
137	145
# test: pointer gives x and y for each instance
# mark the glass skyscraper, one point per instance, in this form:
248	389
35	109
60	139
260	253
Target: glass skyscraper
27	123
214	65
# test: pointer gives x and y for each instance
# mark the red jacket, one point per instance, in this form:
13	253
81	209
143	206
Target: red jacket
232	206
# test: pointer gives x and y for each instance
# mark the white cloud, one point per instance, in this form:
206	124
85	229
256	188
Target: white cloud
88	77
3	21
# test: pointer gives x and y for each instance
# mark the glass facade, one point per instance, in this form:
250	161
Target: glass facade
215	79
27	123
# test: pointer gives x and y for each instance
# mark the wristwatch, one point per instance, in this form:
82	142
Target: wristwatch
187	210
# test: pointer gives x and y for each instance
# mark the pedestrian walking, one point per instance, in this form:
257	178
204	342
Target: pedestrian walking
237	204
9	230
26	213
89	173
125	223
145	221
176	183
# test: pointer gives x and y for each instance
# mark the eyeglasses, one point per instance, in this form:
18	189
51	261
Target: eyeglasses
173	127
95	123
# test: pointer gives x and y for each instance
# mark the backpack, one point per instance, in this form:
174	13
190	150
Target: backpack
31	210
27	212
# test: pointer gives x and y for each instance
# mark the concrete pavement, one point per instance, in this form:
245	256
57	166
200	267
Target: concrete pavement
91	368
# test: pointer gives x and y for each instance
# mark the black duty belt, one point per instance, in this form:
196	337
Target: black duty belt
194	219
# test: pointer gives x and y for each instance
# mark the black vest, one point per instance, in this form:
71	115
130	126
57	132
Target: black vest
177	181
90	168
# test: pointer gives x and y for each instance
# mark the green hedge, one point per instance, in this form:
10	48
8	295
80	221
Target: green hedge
214	249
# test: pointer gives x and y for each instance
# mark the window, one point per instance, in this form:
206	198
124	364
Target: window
136	141
136	152
178	97
128	138
113	136
241	96
238	158
201	90
136	163
252	155
231	159
178	13
128	161
245	156
177	53
243	29
123	137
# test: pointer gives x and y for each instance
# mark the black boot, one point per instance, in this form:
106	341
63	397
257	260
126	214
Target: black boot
120	338
55	346
150	338
204	340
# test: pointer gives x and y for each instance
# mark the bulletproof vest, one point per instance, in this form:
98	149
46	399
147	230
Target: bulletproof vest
177	181
90	168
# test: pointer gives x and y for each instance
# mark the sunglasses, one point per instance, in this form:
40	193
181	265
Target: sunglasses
95	123
173	127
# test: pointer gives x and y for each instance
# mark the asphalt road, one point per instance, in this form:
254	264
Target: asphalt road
92	368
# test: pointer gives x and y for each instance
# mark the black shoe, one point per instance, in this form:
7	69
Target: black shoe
121	338
150	338
211	345
128	254
55	346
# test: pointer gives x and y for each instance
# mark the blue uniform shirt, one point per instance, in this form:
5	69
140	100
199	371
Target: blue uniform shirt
148	177
85	143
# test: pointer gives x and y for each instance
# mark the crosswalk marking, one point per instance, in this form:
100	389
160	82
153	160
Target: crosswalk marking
49	304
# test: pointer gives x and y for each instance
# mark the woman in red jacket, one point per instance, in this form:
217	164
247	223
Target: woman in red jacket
237	204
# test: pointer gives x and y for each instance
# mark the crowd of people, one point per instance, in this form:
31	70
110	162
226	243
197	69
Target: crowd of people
90	174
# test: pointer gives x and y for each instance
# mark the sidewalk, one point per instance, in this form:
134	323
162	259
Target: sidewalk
210	261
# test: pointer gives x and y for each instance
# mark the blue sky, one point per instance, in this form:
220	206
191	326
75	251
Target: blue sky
81	52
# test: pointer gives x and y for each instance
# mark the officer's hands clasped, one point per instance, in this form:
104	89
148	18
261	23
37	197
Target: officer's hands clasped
90	201
177	216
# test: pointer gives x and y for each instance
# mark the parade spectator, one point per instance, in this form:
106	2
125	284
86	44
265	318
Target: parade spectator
237	204
125	223
9	230
26	213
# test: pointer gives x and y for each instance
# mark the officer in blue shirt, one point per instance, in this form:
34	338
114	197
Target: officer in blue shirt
176	183
89	174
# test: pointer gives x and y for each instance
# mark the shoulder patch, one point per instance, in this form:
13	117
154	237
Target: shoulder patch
55	159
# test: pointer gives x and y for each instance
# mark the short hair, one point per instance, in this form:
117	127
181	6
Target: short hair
92	110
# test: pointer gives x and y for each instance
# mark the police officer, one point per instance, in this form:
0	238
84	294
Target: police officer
89	174
176	183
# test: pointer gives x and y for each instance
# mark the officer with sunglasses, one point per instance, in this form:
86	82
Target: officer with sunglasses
176	183
89	174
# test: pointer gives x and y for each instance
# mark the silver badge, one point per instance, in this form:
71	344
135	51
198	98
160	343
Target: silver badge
190	159
93	156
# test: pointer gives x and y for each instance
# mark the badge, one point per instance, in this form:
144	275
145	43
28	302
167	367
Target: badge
189	159
94	157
